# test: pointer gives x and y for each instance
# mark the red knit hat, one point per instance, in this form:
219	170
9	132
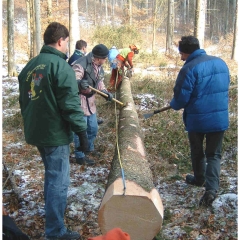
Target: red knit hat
114	234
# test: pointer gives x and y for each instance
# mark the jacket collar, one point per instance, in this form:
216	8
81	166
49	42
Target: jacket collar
51	50
195	54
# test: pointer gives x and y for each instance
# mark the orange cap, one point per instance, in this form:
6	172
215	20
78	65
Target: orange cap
114	234
134	47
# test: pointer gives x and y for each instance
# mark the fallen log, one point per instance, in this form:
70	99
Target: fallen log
131	201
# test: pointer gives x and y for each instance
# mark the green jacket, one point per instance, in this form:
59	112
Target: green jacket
49	100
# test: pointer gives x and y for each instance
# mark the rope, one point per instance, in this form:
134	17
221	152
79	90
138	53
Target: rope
118	152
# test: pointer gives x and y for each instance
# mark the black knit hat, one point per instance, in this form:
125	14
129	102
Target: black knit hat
100	51
188	44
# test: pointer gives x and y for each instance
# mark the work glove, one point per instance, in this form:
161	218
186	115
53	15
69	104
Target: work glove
83	141
109	97
83	84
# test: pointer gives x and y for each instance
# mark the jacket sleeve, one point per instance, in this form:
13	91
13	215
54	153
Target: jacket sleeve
130	59
79	71
182	89
68	100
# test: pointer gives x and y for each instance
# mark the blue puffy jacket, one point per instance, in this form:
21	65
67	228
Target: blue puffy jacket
202	90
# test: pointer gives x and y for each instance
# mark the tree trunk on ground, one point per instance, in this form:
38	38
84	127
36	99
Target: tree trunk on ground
11	56
131	202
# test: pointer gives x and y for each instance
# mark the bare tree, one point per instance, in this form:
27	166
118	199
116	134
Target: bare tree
154	24
33	51
38	26
235	50
28	28
170	26
199	26
11	55
74	31
95	13
49	11
130	12
106	9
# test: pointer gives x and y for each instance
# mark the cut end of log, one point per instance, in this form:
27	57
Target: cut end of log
139	213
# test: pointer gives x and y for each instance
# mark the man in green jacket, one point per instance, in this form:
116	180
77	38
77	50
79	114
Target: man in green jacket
51	111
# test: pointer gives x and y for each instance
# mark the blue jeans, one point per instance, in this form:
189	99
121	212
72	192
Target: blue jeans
209	172
92	130
57	180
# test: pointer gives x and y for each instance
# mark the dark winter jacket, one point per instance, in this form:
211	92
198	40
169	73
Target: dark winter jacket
49	100
89	74
202	90
76	55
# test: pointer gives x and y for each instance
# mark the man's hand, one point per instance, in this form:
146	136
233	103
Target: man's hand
109	97
83	141
83	84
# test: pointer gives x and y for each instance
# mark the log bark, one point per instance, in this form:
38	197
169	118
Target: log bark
130	202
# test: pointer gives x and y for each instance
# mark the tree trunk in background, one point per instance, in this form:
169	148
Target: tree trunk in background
38	26
95	13
131	202
170	26
49	11
11	55
199	26
154	24
106	9
130	13
73	25
234	15
235	50
113	3
28	28
226	27
87	8
185	12
33	30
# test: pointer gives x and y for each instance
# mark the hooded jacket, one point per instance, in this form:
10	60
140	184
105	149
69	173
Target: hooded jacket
201	89
49	100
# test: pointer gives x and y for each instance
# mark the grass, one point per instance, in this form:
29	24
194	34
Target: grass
166	129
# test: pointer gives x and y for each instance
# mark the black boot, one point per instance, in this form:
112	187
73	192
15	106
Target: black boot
99	121
85	161
208	198
190	179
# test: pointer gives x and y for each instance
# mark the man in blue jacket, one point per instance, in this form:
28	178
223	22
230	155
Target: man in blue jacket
80	51
201	89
